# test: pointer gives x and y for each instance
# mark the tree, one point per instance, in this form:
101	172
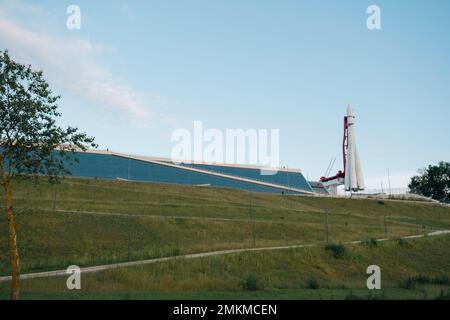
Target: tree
433	181
31	143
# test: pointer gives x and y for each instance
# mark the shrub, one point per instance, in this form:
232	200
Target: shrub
443	296
444	280
372	242
250	283
175	252
411	282
337	250
180	220
312	284
403	242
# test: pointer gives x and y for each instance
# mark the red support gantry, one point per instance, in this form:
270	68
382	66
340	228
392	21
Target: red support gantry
340	173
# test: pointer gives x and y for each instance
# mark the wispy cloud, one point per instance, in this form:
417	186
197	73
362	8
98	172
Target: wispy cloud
73	64
23	7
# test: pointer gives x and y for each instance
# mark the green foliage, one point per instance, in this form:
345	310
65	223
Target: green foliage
352	296
338	251
51	239
250	283
403	242
443	295
371	243
433	181
421	279
279	273
29	134
312	283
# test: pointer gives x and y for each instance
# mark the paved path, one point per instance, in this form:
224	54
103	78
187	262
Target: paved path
192	256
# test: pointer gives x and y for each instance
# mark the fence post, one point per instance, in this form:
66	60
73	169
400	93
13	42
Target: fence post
54	196
326	220
252	215
385	227
129	238
417	225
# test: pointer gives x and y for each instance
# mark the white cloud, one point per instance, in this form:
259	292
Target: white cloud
26	8
72	63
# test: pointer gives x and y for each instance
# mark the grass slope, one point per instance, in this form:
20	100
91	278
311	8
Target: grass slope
88	222
411	269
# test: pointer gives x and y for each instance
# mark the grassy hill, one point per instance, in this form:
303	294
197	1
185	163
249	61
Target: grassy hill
91	222
411	269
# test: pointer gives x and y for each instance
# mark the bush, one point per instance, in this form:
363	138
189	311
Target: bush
403	242
312	284
411	282
371	243
443	296
250	283
444	280
180	221
175	252
337	250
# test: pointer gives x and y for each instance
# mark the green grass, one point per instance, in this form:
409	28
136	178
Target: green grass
88	222
295	294
281	274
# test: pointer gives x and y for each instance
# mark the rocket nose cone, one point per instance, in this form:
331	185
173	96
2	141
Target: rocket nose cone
349	111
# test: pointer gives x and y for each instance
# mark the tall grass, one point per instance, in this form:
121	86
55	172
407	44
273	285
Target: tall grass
426	264
90	222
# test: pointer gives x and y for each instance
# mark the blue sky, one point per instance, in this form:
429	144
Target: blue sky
137	70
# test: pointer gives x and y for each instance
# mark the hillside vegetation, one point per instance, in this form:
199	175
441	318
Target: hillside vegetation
90	222
410	269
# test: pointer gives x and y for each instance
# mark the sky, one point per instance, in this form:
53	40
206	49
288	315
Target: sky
138	70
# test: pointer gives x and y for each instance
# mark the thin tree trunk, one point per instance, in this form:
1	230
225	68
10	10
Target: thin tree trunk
12	235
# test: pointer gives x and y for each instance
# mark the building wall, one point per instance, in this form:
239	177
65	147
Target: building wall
285	178
106	166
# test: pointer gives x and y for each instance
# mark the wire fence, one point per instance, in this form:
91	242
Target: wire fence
393	193
90	224
388	191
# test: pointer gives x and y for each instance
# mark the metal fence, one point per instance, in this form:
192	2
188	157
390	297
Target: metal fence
89	223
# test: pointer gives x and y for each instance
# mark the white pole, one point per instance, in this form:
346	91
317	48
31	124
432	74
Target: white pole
389	180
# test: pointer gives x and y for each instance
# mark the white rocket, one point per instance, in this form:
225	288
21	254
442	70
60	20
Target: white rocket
354	180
